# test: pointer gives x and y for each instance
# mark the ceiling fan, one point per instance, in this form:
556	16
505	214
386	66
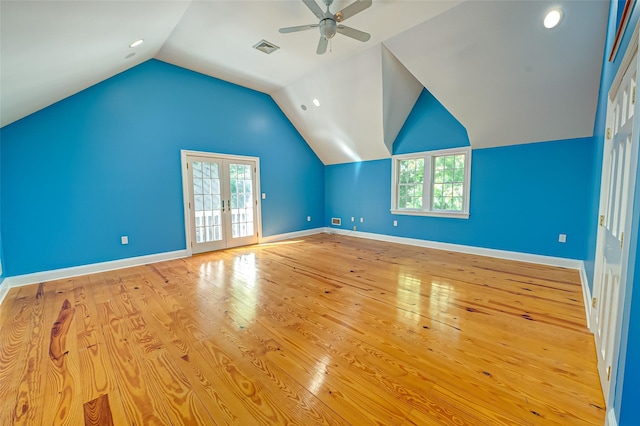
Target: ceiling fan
329	23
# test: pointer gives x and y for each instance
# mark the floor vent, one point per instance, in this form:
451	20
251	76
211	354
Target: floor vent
336	221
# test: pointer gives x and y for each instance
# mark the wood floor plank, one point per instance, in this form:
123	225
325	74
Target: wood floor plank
12	352
98	412
97	373
62	393
323	329
31	379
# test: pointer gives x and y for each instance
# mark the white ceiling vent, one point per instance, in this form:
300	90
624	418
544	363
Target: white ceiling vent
266	46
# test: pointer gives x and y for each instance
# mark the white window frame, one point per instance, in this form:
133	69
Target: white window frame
427	195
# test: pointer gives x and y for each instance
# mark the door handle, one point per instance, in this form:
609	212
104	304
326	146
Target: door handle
222	205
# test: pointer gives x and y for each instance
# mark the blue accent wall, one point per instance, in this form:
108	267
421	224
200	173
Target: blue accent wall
429	127
106	162
522	196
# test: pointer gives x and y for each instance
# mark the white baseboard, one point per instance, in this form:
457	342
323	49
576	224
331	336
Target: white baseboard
59	274
500	254
4	289
291	235
610	420
586	295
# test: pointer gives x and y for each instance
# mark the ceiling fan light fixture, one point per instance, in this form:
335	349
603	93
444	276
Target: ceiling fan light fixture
136	43
552	18
328	22
328	28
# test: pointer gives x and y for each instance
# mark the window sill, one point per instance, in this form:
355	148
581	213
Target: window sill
455	215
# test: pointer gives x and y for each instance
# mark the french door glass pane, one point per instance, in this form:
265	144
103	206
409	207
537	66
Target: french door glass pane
207	201
241	177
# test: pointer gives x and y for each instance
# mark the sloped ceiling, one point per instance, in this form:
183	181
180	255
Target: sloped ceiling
507	79
503	76
50	50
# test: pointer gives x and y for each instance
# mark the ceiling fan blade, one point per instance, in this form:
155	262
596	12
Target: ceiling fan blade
298	28
322	45
353	33
313	6
355	7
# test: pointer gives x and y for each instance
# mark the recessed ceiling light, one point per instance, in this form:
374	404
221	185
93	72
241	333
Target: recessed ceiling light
136	43
552	18
316	102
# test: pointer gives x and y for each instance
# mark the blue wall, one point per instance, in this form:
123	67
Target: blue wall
106	162
522	196
429	126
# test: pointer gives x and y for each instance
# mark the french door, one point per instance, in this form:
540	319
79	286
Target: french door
616	206
222	205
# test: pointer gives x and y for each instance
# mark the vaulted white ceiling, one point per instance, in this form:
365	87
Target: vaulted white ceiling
490	63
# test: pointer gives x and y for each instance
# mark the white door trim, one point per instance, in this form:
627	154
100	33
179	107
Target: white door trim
630	60
184	153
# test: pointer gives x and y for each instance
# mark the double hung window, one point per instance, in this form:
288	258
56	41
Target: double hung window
433	183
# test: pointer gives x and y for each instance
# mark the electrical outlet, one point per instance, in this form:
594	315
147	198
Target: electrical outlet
308	218
353	219
395	223
362	220
562	238
124	240
354	227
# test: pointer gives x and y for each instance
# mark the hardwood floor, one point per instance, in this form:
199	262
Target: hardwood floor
323	330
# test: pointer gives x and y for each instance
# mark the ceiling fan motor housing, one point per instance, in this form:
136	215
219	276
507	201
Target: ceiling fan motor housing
328	28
